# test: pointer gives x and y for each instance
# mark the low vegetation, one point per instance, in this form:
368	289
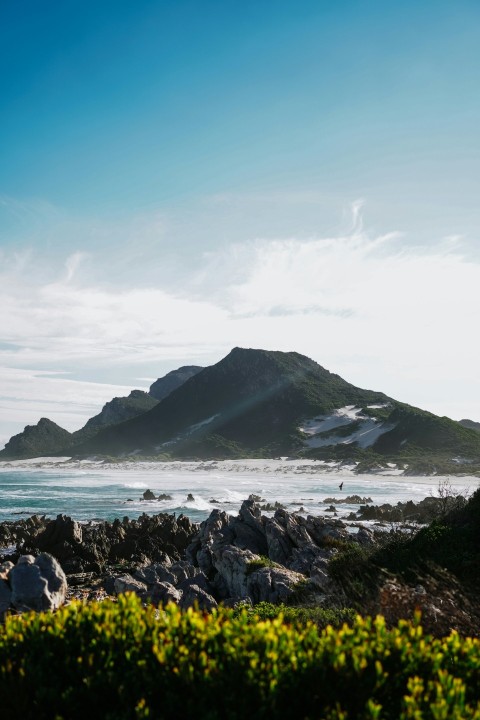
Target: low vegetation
122	661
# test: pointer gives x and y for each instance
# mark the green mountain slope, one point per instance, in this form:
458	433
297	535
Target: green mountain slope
471	424
251	401
115	411
264	403
172	380
44	438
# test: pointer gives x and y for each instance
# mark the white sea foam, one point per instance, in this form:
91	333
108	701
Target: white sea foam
105	492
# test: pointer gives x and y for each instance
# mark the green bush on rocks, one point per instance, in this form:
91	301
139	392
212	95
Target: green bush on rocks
120	660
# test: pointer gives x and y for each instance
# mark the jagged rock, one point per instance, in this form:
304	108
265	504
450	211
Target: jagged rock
271	584
319	570
365	536
60	531
271	507
279	545
247	538
91	546
127	583
52	571
248	529
155	573
164	592
200	580
250	515
214	527
195	595
148	495
205	561
321	529
303	558
233	566
182	570
296	530
37	583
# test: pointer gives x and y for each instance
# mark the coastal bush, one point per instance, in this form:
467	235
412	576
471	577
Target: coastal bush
319	616
261	562
120	660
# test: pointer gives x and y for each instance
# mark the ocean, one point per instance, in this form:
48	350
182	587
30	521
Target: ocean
89	490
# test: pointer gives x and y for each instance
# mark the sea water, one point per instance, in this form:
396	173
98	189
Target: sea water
89	490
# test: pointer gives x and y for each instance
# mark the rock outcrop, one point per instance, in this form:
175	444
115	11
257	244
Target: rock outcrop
251	557
34	583
92	547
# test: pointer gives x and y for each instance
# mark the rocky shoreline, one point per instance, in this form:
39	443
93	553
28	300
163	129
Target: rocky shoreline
226	560
251	557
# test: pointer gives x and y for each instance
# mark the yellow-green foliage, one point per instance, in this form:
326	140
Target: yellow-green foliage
119	661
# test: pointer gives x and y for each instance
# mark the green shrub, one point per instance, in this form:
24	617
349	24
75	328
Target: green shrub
119	660
319	616
261	562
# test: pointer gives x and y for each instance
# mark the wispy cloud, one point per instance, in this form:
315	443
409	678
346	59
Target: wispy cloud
372	308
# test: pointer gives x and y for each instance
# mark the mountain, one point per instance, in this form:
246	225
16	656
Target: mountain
172	380
251	401
259	403
44	438
48	438
116	411
471	424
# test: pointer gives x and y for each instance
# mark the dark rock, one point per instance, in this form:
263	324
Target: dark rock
196	596
279	545
365	536
148	495
162	593
5	597
200	580
182	570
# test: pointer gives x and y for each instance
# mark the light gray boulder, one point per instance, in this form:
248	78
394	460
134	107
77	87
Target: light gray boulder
232	564
37	583
271	584
127	583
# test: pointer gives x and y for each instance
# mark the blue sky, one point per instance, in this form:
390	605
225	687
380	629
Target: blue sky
171	173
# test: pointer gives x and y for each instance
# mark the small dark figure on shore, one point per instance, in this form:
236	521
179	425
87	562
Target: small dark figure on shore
341	485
